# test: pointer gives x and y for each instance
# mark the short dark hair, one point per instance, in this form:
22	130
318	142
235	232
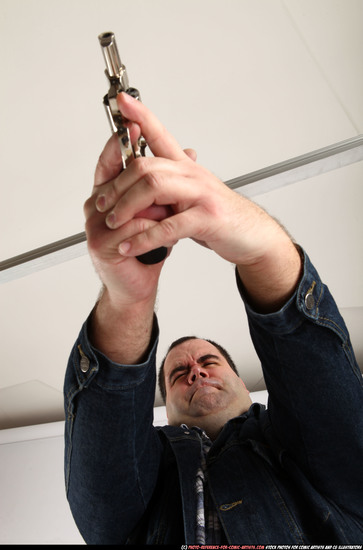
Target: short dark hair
181	340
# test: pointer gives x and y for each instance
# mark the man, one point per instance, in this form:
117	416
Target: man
223	471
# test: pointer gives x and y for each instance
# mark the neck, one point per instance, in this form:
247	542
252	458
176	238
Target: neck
213	424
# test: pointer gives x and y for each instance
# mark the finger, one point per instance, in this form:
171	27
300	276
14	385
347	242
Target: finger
155	212
169	187
103	244
112	194
160	142
110	161
165	233
109	241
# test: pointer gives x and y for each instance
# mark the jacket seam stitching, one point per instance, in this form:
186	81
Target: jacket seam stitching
137	469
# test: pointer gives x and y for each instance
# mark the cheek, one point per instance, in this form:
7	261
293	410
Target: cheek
175	400
237	386
174	412
174	395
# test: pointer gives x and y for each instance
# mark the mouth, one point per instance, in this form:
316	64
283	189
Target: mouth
201	383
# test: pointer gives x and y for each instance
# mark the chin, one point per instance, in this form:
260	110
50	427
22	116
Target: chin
208	404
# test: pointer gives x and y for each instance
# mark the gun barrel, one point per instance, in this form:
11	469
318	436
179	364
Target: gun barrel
111	55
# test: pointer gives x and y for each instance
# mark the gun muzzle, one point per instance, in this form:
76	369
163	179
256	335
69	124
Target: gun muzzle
115	69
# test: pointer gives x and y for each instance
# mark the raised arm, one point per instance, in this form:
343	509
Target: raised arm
112	451
122	319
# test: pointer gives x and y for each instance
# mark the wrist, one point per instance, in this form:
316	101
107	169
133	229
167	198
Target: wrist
121	329
126	303
272	280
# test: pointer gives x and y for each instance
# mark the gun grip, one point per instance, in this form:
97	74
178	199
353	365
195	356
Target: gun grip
154	256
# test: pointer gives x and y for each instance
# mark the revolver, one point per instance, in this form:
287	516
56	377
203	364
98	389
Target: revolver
118	81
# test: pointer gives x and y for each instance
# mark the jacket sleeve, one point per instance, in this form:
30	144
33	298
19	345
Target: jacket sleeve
315	388
112	450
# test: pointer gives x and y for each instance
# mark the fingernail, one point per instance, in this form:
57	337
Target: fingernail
101	203
124	247
127	97
111	220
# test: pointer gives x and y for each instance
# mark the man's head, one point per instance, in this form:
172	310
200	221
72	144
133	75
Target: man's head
200	385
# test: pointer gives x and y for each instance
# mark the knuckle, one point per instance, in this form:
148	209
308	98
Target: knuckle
144	168
89	226
168	229
98	241
92	238
112	192
140	165
110	157
88	206
101	163
102	168
151	180
143	225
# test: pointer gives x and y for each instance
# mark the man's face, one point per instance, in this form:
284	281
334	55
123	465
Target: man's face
201	385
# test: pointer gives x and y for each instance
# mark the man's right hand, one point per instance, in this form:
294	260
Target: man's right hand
127	280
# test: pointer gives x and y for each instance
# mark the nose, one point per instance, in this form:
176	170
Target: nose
195	372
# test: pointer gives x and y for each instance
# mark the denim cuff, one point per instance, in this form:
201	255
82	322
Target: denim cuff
311	300
88	362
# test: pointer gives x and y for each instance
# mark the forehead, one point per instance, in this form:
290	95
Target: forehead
194	349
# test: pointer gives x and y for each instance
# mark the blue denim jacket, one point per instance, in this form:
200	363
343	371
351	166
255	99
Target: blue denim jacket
288	474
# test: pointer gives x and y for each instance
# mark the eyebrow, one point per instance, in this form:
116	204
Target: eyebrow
201	360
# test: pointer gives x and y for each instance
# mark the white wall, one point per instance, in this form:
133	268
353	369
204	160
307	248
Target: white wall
33	505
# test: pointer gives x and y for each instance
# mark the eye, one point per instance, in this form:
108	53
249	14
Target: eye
182	372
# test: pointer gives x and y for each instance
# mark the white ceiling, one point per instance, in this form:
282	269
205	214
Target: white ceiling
247	83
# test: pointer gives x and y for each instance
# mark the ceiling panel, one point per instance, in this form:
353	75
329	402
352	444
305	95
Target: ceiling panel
334	38
242	89
324	215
